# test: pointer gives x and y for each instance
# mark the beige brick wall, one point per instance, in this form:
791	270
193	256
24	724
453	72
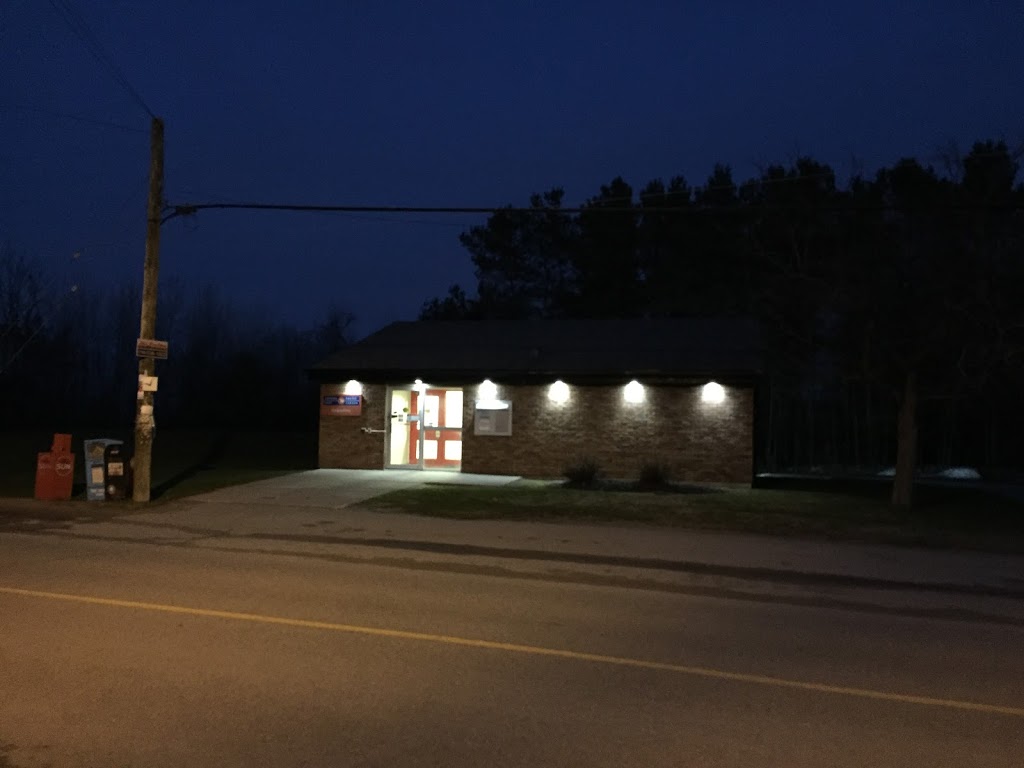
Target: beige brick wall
343	444
699	442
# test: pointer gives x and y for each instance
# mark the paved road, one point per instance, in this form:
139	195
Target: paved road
114	653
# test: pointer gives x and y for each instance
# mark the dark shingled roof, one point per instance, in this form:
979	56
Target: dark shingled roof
572	349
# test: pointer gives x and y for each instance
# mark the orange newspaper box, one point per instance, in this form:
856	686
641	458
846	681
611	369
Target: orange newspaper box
55	470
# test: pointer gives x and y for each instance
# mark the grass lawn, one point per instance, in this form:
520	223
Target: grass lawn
185	462
945	519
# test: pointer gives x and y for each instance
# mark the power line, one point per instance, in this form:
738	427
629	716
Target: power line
81	29
190	209
646	204
425	222
68	116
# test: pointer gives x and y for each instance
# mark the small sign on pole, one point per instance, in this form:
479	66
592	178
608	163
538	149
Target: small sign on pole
152	348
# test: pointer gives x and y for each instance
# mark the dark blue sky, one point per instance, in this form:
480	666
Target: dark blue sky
474	104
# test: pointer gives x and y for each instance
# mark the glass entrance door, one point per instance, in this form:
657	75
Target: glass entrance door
401	417
442	428
425	429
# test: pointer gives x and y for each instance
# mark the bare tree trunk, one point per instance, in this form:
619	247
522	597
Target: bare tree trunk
851	409
810	432
991	435
869	422
837	456
906	445
950	437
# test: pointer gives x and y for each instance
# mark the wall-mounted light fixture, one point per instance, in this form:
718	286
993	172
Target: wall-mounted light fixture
419	386
487	390
558	392
352	387
713	393
633	392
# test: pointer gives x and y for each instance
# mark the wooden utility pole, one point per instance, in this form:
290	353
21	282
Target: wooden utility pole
144	423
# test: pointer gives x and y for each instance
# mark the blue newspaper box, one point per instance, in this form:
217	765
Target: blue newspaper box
95	467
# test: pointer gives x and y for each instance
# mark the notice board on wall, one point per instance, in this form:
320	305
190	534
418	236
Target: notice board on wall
493	418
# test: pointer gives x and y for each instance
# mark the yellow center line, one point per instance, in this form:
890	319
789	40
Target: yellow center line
533	650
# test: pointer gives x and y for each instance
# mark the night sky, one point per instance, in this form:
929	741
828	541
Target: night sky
452	103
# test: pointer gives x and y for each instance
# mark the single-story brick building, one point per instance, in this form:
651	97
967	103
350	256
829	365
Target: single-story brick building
531	397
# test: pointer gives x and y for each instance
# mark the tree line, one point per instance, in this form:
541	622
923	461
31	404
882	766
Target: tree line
67	357
891	305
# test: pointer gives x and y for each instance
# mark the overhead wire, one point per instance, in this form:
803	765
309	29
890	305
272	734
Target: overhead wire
81	29
388	219
69	116
613	204
189	209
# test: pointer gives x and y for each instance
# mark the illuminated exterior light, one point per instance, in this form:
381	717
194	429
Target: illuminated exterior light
712	392
633	392
487	390
558	392
419	386
352	387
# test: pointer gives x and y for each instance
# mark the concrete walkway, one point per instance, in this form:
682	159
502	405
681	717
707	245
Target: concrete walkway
338	488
